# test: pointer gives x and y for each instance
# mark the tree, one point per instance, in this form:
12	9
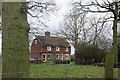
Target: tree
89	54
96	45
15	48
105	7
72	26
15	29
96	34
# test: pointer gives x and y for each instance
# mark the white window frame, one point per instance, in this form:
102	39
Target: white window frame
35	41
66	49
48	48
57	48
58	56
67	55
50	56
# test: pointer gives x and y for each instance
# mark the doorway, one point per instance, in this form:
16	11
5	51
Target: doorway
44	57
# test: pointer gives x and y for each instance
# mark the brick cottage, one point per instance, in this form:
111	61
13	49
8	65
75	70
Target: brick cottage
48	48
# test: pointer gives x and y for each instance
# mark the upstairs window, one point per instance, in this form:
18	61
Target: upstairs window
35	41
57	48
66	48
48	48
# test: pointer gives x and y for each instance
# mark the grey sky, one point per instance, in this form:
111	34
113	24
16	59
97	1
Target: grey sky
55	18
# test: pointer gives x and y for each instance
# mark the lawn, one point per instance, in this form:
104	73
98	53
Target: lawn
67	71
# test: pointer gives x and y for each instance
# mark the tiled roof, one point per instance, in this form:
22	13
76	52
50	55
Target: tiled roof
53	41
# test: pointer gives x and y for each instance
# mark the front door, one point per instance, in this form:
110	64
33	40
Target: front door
61	56
44	57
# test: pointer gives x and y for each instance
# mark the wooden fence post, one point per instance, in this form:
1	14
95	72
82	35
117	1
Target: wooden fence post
109	66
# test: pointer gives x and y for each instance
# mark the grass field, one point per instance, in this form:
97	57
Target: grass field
67	71
47	70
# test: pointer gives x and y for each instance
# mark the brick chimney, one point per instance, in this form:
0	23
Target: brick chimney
47	33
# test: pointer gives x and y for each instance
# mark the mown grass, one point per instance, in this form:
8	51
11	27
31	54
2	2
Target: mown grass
67	71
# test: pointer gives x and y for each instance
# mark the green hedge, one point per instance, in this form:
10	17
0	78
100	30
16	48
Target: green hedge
36	62
62	62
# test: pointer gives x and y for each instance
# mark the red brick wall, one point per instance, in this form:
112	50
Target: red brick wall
36	50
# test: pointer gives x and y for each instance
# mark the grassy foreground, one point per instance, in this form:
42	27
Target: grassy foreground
67	71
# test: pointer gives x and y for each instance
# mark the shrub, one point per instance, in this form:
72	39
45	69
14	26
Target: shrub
87	54
36	62
62	62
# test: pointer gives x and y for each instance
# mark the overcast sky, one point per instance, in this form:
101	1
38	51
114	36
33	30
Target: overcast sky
55	18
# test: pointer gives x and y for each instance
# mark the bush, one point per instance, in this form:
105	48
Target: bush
62	62
89	54
36	62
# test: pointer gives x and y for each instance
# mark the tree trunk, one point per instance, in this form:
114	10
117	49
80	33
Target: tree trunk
15	45
76	41
115	48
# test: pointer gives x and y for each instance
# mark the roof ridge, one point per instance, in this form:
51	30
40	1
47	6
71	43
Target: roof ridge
52	37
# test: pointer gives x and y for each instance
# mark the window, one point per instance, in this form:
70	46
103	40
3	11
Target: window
66	56
57	48
66	49
57	56
48	56
49	48
35	41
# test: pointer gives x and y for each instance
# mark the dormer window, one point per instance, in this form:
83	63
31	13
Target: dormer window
48	48
35	41
57	48
66	48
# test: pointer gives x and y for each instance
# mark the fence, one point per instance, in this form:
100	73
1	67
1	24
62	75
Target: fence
64	75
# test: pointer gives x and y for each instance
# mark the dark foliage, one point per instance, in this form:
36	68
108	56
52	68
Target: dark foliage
62	62
89	54
37	62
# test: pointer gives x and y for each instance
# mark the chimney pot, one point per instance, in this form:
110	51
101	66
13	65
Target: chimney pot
47	33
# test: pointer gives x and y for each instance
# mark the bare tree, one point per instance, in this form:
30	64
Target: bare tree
105	6
97	29
72	26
